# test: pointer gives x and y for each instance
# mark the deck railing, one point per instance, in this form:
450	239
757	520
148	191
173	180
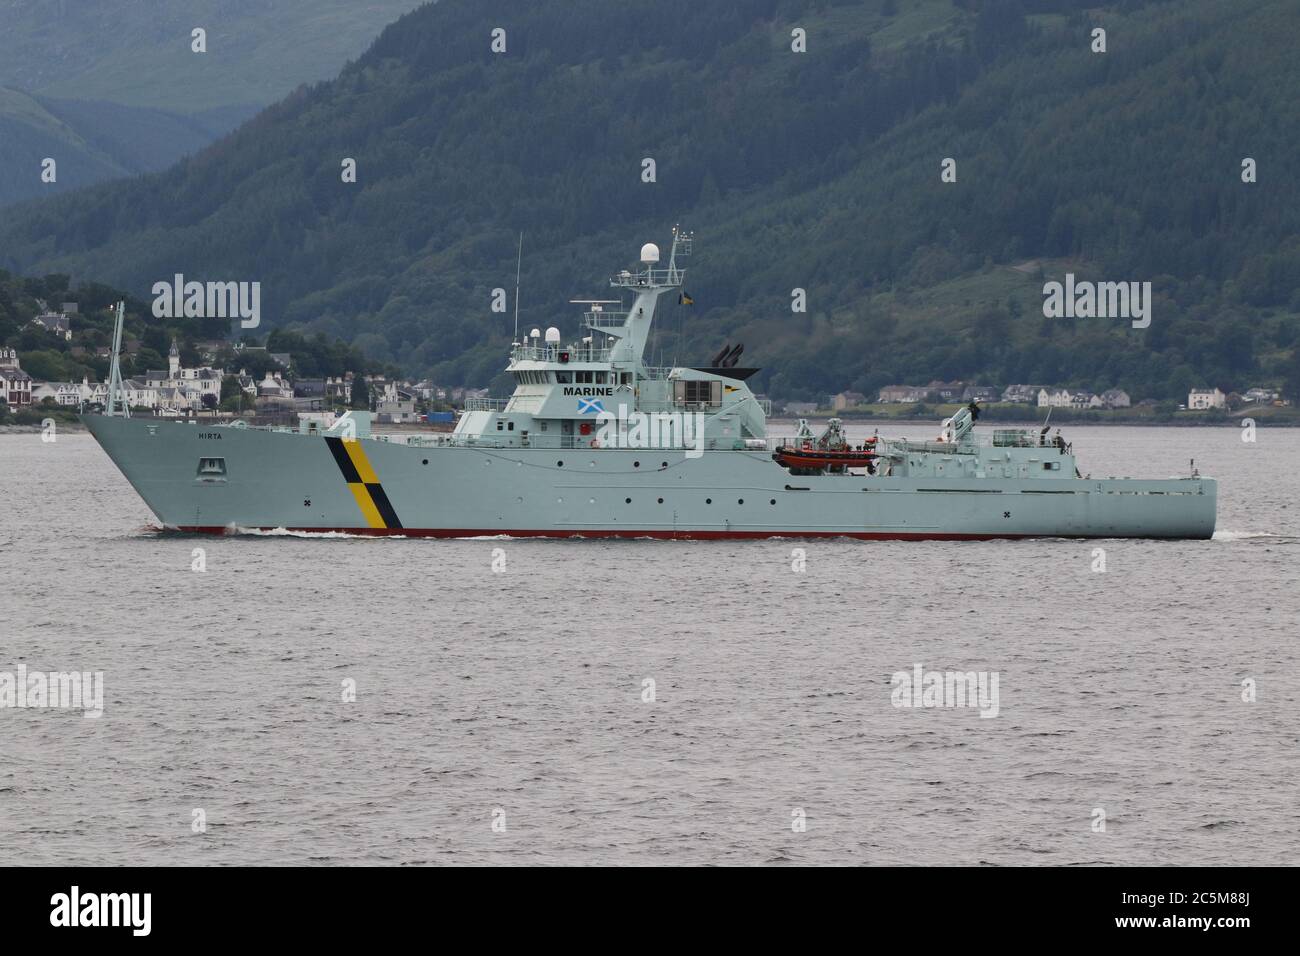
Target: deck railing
551	353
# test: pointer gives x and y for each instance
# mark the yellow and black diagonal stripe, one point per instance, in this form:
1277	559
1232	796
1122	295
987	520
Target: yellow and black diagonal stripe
363	483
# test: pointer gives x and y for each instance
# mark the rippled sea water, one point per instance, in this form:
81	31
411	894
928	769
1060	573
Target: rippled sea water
517	696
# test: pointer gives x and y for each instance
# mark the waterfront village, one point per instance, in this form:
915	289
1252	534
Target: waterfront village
281	394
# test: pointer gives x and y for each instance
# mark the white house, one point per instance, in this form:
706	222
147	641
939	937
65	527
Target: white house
140	395
184	388
906	394
398	410
1054	398
63	393
273	386
1021	394
93	393
1203	398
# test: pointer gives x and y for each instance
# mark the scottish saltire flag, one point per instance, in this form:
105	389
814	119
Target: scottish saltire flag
590	406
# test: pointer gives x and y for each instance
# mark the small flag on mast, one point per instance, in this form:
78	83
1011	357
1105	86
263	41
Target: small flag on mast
684	298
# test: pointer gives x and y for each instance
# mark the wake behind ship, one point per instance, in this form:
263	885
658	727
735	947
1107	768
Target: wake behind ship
595	443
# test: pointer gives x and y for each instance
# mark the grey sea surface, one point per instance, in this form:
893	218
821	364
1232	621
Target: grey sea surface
516	697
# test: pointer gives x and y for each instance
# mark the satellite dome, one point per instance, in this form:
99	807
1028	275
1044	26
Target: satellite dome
552	336
649	253
536	334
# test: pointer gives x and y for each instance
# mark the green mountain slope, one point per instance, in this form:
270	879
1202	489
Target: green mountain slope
113	88
817	171
93	141
29	133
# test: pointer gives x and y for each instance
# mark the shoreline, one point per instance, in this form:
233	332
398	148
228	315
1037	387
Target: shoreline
855	420
1231	422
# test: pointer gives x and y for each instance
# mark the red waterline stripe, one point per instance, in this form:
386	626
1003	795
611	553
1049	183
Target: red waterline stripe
667	535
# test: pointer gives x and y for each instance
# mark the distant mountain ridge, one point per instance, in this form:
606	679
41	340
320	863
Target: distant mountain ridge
93	141
113	88
817	171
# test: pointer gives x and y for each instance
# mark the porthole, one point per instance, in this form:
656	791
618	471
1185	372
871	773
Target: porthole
559	464
627	501
740	501
663	464
708	501
425	462
772	502
636	464
661	501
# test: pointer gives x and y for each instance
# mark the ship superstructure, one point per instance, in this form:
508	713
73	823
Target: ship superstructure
596	443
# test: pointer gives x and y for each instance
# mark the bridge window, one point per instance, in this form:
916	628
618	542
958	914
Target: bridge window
697	393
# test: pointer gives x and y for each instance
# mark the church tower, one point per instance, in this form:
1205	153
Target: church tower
173	361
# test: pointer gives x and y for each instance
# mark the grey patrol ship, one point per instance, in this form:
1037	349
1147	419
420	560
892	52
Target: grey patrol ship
596	443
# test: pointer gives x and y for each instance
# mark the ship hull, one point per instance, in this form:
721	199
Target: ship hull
282	480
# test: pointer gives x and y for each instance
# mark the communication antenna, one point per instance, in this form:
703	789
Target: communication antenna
519	261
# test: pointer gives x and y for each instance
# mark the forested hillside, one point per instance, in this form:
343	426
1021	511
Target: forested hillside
817	170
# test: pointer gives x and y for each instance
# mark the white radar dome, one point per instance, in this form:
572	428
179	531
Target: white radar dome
552	336
535	333
649	253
